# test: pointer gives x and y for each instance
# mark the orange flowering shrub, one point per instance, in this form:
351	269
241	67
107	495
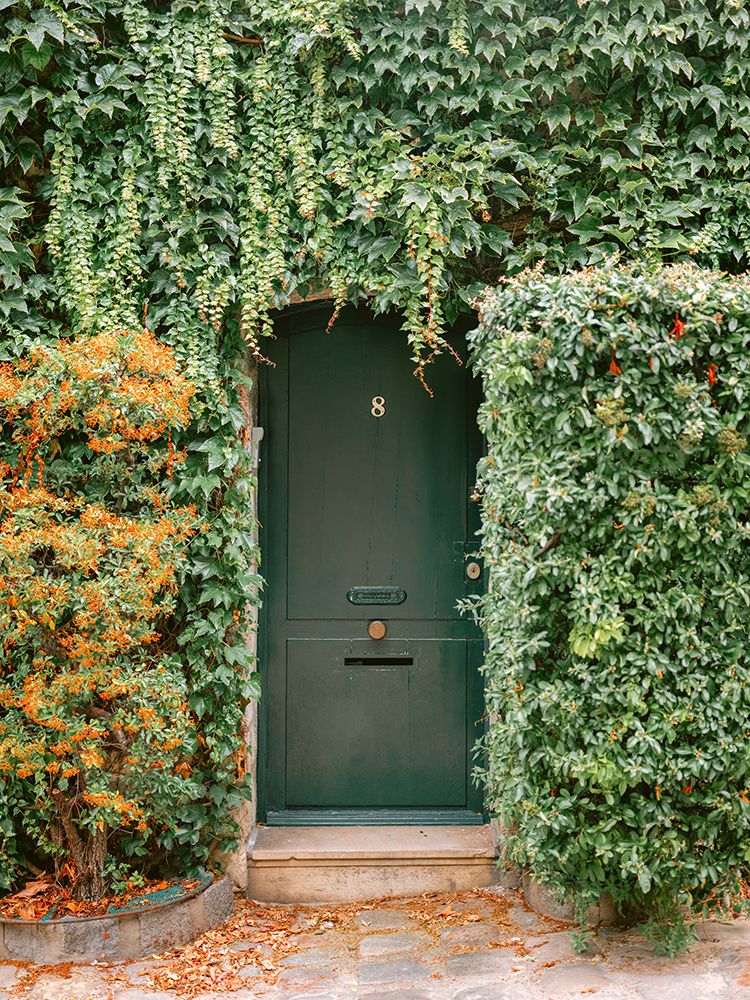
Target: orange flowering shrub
120	390
94	726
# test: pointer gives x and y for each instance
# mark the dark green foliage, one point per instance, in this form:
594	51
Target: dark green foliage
217	599
615	495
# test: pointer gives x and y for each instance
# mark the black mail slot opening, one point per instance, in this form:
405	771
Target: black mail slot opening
378	661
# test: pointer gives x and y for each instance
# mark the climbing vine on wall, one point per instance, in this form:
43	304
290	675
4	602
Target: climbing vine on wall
222	154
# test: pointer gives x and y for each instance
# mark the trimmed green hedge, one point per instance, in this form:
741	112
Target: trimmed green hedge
617	532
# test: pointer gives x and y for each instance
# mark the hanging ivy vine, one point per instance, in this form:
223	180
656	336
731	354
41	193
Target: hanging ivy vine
231	154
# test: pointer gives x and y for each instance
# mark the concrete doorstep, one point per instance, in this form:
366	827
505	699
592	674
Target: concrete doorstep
339	864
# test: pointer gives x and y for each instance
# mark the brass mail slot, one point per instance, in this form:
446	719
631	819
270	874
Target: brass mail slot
376	595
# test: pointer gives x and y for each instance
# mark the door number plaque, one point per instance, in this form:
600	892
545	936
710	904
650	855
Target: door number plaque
377	408
376	595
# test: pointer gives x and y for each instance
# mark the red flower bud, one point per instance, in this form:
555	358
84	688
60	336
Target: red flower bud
678	328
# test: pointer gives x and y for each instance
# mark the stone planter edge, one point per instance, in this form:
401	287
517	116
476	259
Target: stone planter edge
543	899
117	937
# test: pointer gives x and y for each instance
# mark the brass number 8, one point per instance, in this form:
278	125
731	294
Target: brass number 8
378	406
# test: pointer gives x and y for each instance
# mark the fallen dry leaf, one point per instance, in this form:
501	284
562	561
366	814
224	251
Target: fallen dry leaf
32	889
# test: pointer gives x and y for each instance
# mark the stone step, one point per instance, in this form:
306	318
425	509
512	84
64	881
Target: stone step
342	864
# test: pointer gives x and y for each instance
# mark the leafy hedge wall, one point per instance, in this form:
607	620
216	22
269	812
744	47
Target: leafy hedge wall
616	495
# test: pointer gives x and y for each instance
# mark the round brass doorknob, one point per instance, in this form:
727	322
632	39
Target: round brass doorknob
377	630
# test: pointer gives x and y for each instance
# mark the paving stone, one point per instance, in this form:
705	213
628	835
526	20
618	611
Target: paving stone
304	976
244	994
732	932
641	955
498	890
685	986
391	972
717	967
8	975
249	972
377	945
383	920
304	922
313	957
526	919
240	946
574	979
80	986
296	996
556	948
312	939
472	935
138	972
397	995
482	963
137	994
500	992
478	906
736	969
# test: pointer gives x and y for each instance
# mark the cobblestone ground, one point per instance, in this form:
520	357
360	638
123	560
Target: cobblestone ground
482	945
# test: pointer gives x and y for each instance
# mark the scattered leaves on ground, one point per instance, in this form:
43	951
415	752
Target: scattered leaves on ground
45	897
261	936
269	934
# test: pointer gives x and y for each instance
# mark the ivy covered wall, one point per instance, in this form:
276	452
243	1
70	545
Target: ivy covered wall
193	165
222	154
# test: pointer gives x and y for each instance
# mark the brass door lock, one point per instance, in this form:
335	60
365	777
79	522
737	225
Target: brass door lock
473	570
377	630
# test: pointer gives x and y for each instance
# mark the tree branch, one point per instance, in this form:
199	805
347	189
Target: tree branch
100	713
554	540
242	39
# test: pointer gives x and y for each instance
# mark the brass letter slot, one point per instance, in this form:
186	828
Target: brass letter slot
376	595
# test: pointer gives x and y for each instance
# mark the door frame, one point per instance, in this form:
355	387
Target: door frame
297	318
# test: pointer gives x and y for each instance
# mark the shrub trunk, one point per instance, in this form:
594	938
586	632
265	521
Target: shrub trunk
86	851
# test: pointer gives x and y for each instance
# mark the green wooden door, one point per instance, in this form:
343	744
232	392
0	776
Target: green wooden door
366	516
